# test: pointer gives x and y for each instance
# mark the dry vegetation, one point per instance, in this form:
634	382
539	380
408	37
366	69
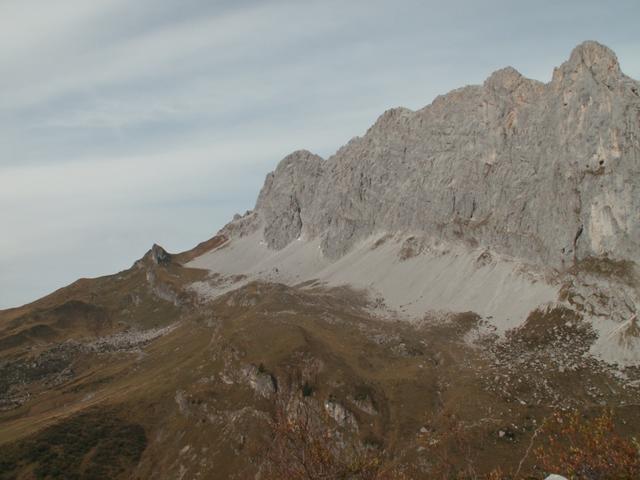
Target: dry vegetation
588	448
297	383
92	445
304	447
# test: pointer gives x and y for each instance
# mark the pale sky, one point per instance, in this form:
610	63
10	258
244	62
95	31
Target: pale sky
127	123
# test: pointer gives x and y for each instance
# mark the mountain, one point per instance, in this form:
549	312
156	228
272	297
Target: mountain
546	173
459	272
491	193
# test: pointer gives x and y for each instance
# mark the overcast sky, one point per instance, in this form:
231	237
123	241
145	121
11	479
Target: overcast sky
126	123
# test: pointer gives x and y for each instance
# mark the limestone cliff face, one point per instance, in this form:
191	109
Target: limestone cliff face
287	197
544	172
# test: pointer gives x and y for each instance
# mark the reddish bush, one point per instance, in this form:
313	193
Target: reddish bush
305	447
587	449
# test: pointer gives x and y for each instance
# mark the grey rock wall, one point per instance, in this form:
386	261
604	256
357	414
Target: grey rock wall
544	172
287	197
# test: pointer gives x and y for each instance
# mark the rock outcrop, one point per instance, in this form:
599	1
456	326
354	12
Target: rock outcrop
286	200
159	255
549	173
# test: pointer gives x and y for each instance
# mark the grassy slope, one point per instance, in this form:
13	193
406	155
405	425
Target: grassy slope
186	391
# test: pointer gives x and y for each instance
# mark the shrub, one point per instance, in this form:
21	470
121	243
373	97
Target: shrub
587	449
305	447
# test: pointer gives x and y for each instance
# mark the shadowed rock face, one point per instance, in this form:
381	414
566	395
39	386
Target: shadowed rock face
545	172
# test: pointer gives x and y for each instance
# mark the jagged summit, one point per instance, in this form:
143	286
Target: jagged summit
515	165
595	57
159	255
507	77
591	66
156	255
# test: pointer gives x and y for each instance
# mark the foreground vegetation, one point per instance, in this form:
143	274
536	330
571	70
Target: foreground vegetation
569	443
96	444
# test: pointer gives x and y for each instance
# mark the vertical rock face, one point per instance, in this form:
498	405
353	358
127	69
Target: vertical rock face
286	200
545	172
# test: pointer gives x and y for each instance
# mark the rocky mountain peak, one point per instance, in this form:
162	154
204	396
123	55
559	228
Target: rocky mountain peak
594	55
507	84
540	172
393	116
507	78
159	255
298	159
590	60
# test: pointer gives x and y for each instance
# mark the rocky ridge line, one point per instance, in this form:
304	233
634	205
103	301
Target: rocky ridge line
548	173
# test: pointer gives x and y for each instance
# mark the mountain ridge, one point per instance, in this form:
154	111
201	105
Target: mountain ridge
496	133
